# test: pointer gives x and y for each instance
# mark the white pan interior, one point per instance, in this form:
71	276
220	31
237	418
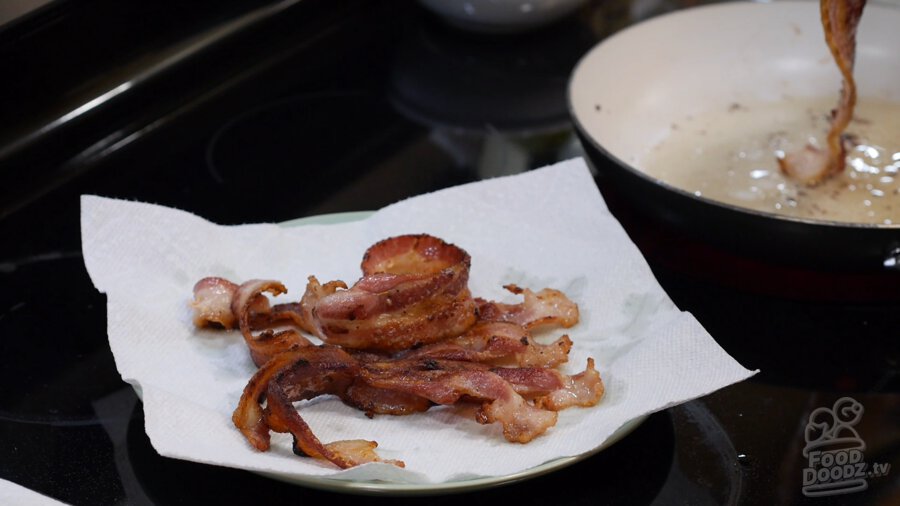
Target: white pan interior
627	91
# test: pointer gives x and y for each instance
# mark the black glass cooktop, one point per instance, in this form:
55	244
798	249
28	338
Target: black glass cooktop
268	111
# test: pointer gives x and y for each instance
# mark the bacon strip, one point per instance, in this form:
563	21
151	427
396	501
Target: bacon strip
249	305
812	165
248	417
446	382
381	401
413	291
498	343
547	307
298	375
554	390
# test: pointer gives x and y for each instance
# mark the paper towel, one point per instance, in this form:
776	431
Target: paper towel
545	228
15	494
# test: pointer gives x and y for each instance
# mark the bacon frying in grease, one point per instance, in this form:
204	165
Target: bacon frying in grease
812	165
405	337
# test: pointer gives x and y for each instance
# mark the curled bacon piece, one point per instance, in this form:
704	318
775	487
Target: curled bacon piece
413	291
248	417
212	302
248	305
298	375
498	343
812	165
546	307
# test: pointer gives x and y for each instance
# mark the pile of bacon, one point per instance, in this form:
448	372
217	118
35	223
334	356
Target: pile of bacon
408	335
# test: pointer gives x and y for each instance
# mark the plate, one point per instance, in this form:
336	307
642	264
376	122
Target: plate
384	488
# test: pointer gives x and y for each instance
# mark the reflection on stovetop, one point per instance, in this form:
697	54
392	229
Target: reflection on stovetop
52	322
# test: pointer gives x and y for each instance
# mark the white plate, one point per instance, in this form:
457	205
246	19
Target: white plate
383	488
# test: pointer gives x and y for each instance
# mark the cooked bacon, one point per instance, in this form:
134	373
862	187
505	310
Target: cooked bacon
359	451
546	307
381	401
812	165
583	389
413	337
447	382
413	291
248	417
554	390
498	343
212	302
250	305
317	371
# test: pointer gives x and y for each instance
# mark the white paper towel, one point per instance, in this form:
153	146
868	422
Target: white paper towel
545	228
15	494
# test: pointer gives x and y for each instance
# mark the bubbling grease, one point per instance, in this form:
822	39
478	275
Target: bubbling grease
730	155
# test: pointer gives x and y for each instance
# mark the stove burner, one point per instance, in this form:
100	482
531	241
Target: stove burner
62	357
651	444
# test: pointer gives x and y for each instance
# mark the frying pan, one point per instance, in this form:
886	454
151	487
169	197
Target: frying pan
626	93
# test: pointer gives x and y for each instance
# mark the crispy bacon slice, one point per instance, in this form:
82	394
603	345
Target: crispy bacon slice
554	390
250	305
249	417
381	401
584	389
324	370
812	165
546	307
498	343
298	375
413	291
212	302
447	382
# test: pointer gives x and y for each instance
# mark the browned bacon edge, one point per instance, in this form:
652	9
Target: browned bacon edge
546	307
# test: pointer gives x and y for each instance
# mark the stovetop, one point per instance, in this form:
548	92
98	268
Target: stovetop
263	112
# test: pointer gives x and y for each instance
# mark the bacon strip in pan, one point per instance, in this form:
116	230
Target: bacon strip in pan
812	165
